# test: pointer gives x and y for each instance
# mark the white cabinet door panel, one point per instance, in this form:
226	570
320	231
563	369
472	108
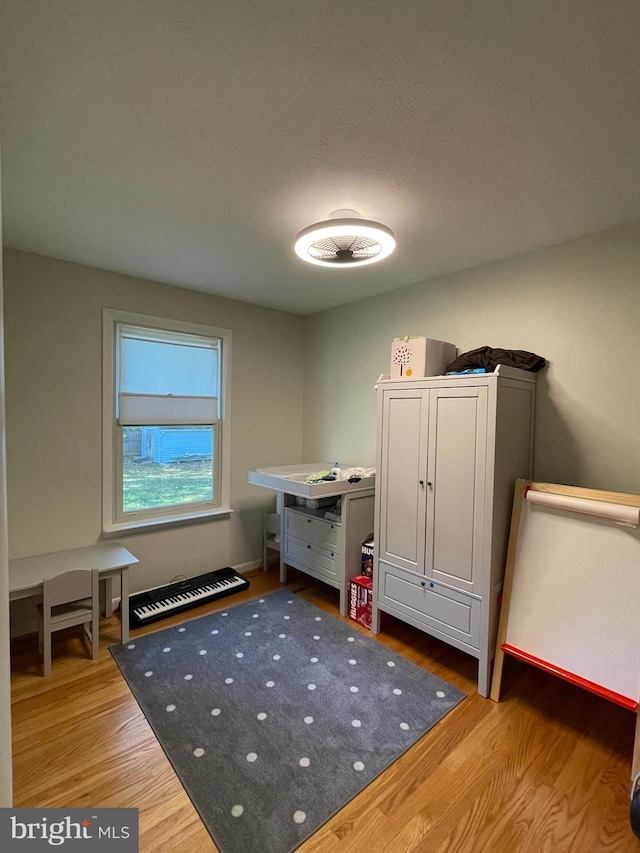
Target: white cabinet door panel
403	465
456	472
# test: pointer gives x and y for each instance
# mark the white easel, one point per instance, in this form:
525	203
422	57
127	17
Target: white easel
572	590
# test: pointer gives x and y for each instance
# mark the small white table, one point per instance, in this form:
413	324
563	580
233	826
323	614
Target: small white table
27	573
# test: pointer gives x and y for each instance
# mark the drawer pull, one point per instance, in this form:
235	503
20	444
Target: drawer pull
308	546
423	583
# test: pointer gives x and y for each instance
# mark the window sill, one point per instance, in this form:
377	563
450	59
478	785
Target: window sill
140	526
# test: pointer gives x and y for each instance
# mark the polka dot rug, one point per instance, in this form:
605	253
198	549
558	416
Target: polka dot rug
275	714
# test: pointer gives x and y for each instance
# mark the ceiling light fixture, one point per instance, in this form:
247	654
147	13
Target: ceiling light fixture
345	241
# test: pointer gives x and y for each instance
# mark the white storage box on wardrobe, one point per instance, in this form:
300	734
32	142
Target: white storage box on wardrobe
415	357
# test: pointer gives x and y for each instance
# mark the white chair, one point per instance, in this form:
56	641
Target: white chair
271	541
70	598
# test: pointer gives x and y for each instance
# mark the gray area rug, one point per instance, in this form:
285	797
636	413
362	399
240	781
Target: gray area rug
274	715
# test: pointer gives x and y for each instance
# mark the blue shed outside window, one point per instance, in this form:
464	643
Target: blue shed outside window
176	444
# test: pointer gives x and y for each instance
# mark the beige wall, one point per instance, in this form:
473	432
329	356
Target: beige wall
53	351
577	304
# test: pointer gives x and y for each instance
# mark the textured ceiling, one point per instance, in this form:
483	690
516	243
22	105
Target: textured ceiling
188	141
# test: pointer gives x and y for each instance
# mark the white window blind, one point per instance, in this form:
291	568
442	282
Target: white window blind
166	377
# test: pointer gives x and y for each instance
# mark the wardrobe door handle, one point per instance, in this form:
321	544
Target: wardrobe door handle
429	483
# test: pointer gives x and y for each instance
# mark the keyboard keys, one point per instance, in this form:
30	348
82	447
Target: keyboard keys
173	598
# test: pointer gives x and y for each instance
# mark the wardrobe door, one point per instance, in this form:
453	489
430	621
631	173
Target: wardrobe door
402	477
456	486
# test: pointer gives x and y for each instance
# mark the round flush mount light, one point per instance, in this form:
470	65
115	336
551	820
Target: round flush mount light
345	241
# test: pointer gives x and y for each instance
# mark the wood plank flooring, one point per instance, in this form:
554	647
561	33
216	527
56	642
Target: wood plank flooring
546	769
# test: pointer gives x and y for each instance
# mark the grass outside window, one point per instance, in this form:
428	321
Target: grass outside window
147	484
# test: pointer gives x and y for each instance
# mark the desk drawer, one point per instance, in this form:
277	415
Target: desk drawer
309	528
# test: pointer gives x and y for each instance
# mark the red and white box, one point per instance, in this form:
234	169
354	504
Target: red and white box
360	598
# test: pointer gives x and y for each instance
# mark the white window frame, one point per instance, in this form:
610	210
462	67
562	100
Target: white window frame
113	519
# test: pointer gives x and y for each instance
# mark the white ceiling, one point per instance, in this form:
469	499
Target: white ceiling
188	141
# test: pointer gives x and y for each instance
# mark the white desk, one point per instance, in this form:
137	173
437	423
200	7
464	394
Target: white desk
27	573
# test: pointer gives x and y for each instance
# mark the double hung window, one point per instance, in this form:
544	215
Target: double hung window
166	420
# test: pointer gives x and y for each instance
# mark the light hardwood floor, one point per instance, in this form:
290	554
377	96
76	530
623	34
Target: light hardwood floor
546	769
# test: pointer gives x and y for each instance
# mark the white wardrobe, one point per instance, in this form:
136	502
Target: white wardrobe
449	450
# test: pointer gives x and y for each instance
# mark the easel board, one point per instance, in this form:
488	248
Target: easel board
572	588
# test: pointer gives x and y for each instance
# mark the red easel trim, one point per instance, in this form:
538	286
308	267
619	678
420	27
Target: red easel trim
612	696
